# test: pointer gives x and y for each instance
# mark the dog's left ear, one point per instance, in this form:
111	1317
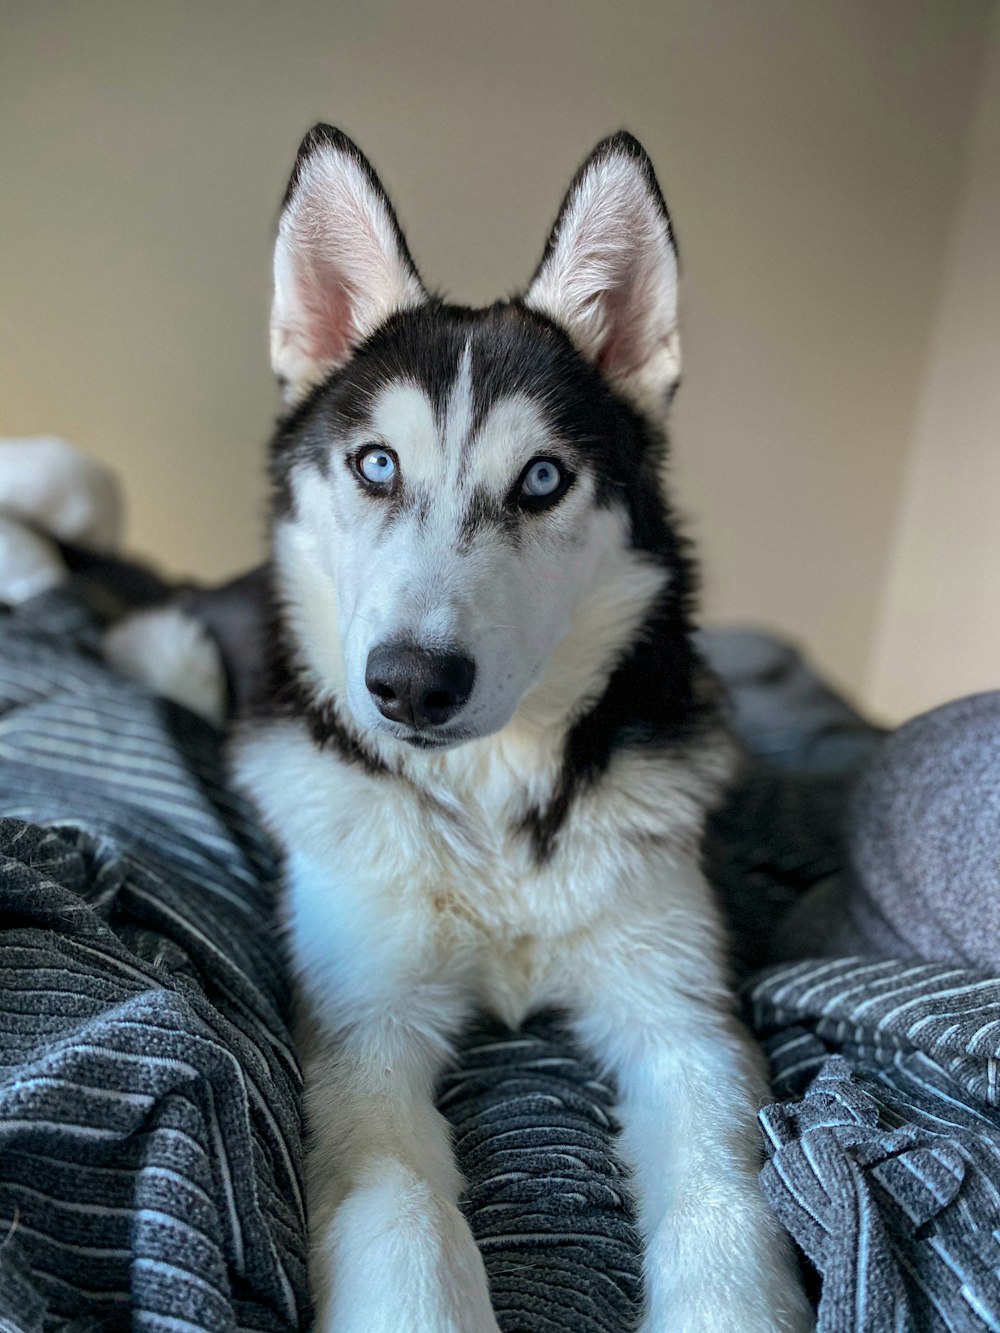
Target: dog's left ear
341	264
609	273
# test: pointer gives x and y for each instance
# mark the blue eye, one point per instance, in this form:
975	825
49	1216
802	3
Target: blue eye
377	466
542	478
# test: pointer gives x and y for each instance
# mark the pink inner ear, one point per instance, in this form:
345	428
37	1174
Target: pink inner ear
622	351
328	310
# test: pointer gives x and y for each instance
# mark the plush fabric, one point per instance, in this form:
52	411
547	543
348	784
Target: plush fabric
922	875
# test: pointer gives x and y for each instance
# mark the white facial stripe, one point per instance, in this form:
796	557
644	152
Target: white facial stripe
458	418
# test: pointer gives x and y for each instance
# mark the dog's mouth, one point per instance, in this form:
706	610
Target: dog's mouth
419	741
428	740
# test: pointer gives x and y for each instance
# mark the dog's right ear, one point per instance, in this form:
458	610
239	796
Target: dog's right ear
341	265
609	273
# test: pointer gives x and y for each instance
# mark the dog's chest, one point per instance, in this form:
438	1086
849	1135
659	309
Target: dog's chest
451	870
461	857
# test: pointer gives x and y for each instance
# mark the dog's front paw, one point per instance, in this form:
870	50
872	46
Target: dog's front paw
397	1259
722	1267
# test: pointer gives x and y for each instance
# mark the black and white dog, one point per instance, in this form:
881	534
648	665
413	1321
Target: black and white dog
496	745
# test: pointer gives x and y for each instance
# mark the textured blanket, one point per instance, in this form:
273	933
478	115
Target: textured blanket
885	1144
150	1140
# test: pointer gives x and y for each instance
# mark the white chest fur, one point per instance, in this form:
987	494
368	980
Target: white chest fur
379	864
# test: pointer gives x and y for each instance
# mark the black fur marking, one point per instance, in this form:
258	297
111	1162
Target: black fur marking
642	708
484	512
514	351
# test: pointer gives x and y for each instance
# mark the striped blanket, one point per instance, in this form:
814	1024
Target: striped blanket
150	1135
884	1148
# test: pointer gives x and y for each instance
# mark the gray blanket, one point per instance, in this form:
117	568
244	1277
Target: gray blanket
149	1101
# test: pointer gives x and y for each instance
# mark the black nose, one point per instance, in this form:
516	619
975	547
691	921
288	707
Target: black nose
417	687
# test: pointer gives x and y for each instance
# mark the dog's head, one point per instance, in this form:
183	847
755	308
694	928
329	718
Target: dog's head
466	497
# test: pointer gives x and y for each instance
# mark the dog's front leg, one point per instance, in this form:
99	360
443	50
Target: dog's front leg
390	1250
655	1014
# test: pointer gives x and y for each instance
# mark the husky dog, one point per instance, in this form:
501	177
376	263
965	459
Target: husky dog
496	745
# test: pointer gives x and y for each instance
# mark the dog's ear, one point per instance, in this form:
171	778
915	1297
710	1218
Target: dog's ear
341	265
609	273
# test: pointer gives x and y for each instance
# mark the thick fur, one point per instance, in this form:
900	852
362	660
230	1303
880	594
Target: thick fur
541	848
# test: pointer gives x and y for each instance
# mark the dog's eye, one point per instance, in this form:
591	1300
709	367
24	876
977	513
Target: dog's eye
377	466
542	480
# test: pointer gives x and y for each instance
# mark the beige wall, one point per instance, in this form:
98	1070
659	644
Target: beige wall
939	633
810	151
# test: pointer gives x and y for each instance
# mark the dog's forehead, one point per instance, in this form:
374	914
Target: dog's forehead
458	432
466	361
